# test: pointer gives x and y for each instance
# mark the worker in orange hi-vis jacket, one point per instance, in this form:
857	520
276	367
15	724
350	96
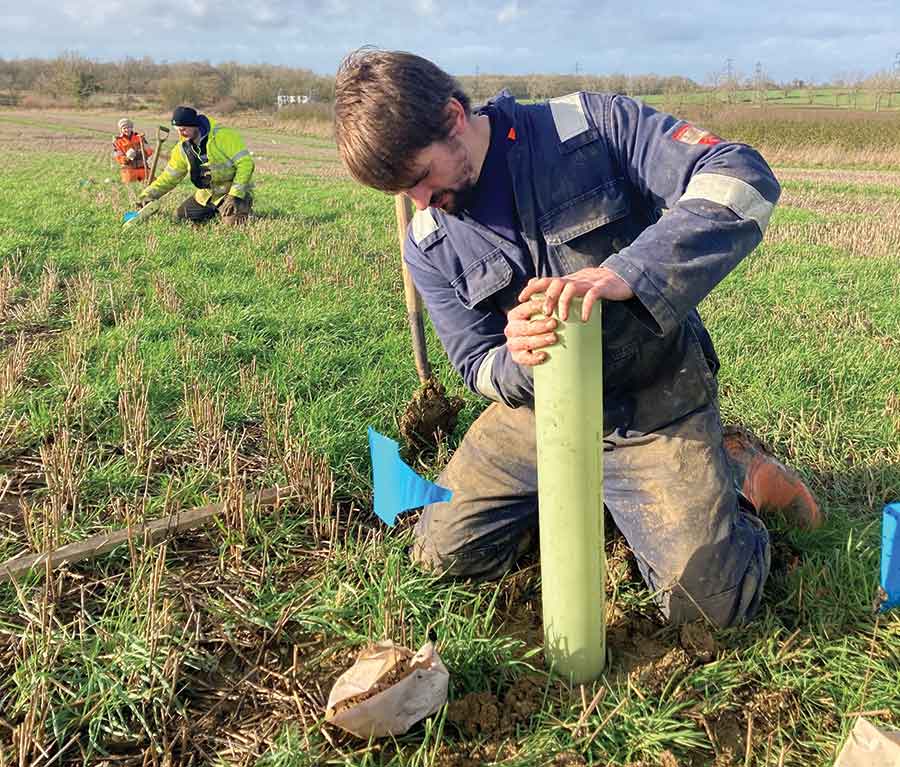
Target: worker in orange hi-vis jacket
131	151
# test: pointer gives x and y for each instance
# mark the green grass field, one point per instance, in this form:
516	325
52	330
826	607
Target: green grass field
165	367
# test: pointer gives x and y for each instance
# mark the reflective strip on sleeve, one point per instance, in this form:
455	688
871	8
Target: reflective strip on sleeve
738	196
423	224
243	153
483	381
238	188
173	172
568	116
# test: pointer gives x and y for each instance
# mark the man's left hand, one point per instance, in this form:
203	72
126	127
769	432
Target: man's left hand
591	284
228	206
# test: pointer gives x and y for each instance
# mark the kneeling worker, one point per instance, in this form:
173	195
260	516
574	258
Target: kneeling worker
595	196
219	166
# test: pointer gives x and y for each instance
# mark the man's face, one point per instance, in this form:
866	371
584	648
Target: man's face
125	131
445	176
188	132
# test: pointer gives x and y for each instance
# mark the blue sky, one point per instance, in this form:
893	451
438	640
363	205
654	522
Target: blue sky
805	39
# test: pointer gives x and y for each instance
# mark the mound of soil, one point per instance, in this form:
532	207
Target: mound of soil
483	713
698	641
429	417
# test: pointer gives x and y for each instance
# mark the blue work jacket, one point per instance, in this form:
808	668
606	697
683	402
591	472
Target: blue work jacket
601	179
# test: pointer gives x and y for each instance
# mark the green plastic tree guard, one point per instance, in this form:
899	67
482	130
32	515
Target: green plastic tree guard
568	394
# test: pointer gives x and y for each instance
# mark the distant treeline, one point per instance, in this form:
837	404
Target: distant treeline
547	86
72	79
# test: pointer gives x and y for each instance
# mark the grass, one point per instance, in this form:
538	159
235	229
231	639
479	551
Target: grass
161	368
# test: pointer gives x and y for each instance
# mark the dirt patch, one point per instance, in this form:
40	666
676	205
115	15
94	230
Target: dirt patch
429	417
728	737
650	655
484	714
568	759
479	755
697	640
758	714
478	713
665	759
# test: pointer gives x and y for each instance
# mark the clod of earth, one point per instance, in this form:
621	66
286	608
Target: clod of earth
482	713
698	641
429	417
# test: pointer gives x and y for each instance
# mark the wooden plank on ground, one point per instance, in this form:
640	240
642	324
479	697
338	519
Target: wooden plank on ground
154	531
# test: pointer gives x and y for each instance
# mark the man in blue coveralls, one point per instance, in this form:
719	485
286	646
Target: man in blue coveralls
595	196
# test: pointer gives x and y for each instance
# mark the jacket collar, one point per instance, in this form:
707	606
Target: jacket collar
505	103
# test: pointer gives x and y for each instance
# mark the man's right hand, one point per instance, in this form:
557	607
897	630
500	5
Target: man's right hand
527	337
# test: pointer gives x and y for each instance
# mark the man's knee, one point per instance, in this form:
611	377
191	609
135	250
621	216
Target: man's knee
438	548
193	211
722	583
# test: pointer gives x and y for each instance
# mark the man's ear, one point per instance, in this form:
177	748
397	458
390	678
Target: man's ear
456	118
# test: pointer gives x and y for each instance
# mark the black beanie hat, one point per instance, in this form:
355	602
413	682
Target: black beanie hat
185	117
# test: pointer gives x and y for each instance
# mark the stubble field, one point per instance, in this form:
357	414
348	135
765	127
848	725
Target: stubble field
165	367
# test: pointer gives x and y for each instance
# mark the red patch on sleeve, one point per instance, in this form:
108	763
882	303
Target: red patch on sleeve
691	134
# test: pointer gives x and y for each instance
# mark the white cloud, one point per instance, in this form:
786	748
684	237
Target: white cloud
509	12
197	8
811	38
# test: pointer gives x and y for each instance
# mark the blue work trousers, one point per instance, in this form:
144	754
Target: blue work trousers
671	493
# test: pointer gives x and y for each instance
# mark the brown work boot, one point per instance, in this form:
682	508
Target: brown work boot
768	483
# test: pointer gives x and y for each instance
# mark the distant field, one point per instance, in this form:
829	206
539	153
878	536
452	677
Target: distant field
814	98
160	368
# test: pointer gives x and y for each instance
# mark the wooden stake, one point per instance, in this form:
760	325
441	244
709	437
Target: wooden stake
151	532
403	210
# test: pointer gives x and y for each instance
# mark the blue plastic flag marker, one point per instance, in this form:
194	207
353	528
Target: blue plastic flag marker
129	214
890	555
397	486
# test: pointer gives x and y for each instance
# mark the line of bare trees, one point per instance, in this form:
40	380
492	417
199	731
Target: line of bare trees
73	80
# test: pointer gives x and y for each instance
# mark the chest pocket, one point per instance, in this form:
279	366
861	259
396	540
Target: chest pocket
483	278
588	229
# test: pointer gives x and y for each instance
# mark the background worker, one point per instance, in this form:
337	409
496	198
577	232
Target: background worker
219	166
131	151
601	197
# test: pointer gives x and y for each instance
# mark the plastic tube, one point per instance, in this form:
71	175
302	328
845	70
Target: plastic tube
568	389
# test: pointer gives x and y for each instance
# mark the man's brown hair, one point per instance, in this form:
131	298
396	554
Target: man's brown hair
388	106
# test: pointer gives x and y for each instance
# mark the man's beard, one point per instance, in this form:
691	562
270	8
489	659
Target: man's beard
459	197
456	200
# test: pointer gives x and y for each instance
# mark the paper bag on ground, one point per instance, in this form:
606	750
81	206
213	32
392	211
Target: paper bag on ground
870	746
388	690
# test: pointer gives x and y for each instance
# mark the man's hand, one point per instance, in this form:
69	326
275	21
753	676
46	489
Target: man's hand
228	206
131	154
525	337
593	283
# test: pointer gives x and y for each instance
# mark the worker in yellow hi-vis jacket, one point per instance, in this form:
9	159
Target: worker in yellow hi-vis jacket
219	166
